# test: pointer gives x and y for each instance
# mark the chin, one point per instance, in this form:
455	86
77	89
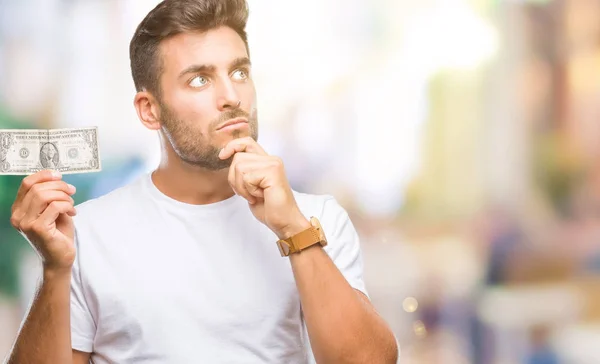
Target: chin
237	134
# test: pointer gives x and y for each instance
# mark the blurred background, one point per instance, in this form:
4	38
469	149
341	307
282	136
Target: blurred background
463	137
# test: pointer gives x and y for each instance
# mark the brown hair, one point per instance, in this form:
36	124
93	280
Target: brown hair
172	17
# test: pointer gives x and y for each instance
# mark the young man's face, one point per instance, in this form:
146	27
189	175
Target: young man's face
205	84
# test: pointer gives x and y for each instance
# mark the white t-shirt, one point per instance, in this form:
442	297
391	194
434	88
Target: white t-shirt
160	281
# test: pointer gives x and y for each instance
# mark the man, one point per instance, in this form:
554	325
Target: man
183	266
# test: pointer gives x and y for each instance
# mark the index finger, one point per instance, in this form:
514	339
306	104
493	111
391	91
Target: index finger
41	176
246	144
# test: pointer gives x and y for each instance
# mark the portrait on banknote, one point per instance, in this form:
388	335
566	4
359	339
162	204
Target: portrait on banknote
49	155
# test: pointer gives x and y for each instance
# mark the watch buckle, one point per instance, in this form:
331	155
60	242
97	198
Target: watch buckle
284	248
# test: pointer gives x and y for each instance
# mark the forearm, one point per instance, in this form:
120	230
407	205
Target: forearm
342	327
45	336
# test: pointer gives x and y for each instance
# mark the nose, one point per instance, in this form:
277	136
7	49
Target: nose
227	96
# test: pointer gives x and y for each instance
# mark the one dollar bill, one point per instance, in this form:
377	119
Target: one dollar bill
27	151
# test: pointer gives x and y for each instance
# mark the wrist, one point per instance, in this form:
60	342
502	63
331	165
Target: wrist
56	273
296	226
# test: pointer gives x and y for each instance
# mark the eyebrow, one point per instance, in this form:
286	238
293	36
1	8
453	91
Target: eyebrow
204	68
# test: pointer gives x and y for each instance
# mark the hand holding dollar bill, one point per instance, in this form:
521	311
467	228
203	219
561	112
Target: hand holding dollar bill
27	151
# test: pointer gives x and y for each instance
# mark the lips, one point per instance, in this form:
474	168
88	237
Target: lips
233	122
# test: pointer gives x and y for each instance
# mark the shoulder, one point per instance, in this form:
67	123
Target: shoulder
312	204
322	206
110	204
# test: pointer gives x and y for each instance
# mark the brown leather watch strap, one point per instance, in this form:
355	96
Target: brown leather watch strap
306	238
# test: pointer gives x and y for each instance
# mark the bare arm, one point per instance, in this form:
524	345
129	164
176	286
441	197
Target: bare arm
45	336
342	324
43	211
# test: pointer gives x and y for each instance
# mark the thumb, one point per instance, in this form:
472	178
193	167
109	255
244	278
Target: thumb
256	191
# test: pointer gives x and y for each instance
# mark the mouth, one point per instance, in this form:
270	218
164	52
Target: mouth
233	123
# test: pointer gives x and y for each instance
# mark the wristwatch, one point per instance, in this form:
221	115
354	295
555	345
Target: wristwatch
304	239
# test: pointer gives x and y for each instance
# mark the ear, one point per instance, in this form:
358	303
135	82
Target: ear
147	110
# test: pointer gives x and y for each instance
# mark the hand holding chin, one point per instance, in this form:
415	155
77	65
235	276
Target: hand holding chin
260	178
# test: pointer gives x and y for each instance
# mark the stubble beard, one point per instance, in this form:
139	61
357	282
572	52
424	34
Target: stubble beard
195	148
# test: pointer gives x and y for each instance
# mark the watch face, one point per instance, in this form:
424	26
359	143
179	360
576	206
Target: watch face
322	237
317	225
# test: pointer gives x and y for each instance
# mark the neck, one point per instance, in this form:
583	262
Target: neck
188	183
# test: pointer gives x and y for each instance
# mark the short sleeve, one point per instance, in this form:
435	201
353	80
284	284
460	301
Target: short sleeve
83	327
343	243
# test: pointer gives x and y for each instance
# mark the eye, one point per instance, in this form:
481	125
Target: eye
198	81
240	74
